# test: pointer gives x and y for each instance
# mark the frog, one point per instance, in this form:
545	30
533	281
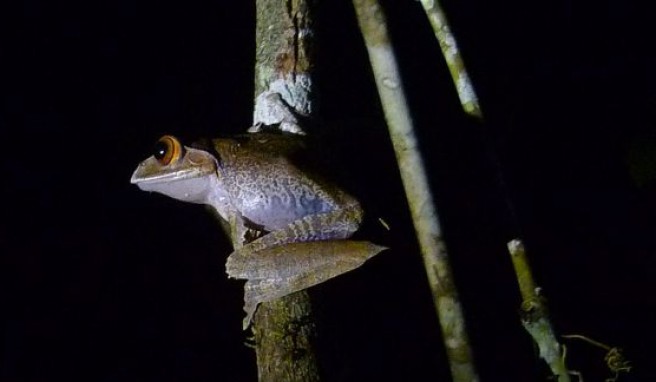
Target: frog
253	184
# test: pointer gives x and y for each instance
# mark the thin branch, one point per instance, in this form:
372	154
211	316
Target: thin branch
451	54
535	317
373	27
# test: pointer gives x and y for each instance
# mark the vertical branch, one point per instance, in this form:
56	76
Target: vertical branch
535	317
284	329
424	214
451	54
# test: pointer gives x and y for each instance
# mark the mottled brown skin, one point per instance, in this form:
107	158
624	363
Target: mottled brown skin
268	190
251	181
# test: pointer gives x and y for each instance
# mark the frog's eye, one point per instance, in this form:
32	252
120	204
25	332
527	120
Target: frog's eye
168	150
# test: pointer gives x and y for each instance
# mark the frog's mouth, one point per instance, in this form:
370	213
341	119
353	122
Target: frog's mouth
142	176
195	164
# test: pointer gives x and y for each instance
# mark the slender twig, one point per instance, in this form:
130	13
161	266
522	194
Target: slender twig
534	314
451	54
373	27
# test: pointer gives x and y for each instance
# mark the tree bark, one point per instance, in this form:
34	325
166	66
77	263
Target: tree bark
284	329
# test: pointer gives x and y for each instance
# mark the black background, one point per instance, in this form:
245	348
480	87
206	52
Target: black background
103	282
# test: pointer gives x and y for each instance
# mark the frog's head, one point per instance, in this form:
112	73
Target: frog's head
177	171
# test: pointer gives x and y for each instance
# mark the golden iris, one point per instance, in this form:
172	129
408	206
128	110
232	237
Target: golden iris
168	150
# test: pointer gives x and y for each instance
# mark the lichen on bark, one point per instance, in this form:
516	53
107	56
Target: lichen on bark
284	51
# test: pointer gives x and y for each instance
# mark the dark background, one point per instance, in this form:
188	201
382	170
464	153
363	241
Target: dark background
103	282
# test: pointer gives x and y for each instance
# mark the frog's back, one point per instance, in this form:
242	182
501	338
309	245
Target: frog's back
267	188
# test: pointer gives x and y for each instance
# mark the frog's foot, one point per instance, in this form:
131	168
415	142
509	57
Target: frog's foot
262	290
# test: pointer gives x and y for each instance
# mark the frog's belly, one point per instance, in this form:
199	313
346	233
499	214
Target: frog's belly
277	211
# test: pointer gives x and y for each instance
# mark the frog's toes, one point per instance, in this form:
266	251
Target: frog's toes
234	267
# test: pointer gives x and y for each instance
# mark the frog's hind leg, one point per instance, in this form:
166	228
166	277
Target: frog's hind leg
338	224
280	282
290	260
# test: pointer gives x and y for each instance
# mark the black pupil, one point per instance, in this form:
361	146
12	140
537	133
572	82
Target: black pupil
160	150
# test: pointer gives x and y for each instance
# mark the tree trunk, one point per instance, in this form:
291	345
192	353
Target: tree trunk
284	329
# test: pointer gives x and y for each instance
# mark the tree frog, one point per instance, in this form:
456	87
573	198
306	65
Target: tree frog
252	183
